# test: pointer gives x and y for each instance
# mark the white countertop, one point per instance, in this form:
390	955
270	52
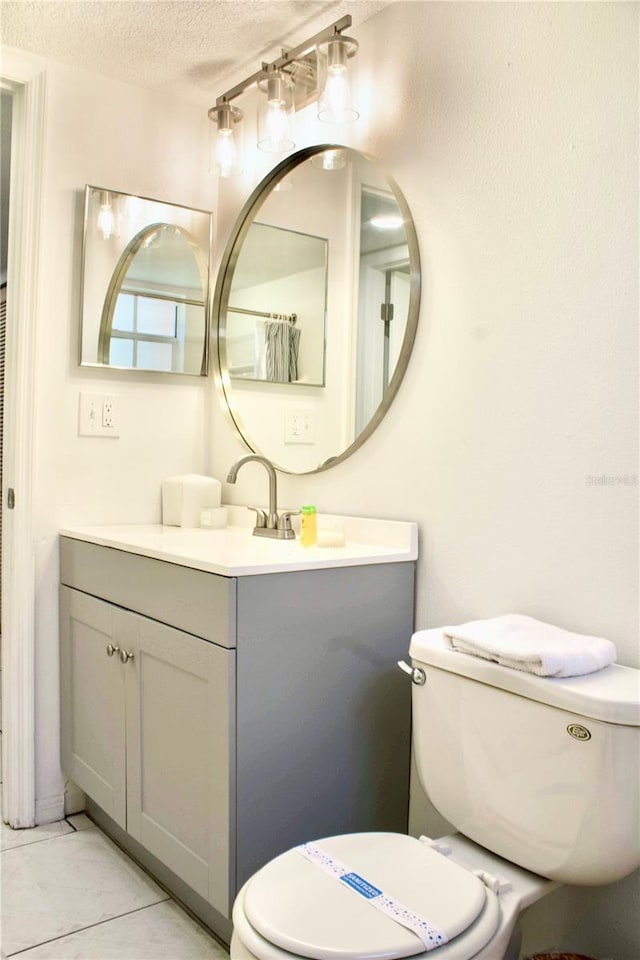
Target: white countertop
234	551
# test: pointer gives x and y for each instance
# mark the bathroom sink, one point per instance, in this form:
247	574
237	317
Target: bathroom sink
234	551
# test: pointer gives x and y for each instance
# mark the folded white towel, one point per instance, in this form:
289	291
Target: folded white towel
526	644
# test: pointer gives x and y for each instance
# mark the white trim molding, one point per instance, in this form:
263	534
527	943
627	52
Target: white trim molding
26	79
51	809
75	800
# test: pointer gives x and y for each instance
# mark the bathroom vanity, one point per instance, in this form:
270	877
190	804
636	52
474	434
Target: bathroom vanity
225	698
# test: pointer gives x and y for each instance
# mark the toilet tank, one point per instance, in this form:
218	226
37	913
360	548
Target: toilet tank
544	772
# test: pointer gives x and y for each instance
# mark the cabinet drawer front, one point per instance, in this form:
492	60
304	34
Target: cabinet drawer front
200	603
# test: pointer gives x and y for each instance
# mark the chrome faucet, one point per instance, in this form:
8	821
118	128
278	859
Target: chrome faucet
267	524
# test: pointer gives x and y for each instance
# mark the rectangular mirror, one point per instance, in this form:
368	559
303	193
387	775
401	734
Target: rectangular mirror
145	284
277	308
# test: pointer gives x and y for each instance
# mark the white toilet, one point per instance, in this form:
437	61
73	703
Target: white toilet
539	775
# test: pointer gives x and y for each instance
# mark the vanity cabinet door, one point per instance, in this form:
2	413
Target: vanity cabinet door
180	738
93	700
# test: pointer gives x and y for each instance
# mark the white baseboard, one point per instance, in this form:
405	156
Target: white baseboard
74	799
50	809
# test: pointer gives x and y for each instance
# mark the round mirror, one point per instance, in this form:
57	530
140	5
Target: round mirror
317	301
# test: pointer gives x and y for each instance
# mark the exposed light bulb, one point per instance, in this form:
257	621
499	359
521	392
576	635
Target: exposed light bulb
226	153
337	96
390	221
274	119
106	221
276	123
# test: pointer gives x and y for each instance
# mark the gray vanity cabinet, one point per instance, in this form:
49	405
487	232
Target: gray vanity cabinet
256	712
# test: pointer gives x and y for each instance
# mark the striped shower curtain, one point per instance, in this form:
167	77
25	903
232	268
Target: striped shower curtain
282	345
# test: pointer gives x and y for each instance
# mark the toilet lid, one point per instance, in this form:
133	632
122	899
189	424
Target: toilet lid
296	905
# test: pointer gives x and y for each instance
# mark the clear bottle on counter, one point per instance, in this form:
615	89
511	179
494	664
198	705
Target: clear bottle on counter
308	526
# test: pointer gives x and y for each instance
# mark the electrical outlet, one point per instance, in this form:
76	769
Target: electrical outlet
108	413
299	425
98	415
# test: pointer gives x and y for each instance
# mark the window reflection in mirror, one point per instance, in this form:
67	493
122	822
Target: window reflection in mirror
154	312
145	284
370	307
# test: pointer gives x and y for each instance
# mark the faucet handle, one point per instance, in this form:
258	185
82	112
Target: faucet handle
284	521
261	516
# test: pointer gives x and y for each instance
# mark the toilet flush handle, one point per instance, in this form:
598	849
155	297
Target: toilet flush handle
417	675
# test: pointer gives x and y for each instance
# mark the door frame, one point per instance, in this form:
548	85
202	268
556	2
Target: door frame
26	79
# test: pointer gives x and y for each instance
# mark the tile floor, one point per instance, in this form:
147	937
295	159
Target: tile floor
69	893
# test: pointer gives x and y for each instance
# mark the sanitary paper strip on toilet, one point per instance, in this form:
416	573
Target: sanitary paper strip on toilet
184	498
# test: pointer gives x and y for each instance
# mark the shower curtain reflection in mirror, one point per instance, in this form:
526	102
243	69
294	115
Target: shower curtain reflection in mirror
275	326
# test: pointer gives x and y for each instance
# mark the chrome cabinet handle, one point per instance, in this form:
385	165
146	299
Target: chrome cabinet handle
125	655
111	649
417	675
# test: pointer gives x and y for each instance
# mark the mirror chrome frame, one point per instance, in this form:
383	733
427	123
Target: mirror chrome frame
223	290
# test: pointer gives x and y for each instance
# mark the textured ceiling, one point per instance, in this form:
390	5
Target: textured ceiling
184	48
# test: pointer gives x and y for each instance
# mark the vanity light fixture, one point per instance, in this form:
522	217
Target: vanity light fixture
106	221
275	113
225	153
335	104
317	68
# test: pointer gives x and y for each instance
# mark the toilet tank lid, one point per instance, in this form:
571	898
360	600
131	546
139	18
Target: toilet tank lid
611	694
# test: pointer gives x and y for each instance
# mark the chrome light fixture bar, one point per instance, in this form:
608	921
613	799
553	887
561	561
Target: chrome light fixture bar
295	71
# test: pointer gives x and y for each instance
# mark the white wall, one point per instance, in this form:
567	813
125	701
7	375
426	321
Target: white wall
117	136
511	128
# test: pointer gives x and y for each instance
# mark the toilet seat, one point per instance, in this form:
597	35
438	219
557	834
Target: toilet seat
292	908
